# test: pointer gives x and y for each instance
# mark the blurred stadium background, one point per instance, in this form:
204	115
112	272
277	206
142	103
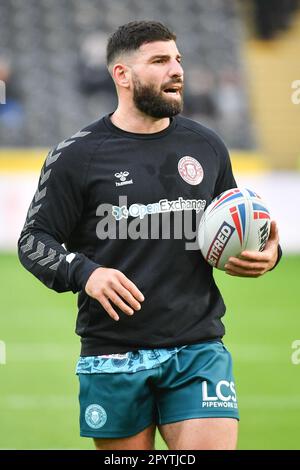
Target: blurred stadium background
241	61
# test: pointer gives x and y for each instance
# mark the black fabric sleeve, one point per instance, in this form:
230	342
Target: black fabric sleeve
52	216
279	255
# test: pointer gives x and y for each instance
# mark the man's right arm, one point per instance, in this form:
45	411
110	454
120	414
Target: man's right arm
54	212
52	216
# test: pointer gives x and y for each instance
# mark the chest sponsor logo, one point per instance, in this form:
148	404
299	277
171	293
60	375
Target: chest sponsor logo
122	177
160	207
190	170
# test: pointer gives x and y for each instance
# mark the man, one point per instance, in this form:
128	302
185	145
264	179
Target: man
149	310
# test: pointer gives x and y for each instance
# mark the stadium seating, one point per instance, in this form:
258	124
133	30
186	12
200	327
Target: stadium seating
44	39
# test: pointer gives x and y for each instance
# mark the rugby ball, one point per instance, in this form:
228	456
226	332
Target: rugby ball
236	220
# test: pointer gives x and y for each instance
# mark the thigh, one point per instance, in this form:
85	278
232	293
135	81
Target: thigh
115	405
141	441
201	434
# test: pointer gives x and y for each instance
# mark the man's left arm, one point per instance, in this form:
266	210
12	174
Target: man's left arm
250	263
257	263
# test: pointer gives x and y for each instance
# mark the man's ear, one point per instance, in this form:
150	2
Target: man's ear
121	75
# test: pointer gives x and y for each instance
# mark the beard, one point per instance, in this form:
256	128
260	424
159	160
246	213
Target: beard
152	103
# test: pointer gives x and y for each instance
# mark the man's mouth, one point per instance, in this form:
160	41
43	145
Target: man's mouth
173	90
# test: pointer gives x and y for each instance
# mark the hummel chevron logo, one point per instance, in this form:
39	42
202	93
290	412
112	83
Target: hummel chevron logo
44	176
80	134
27	224
55	266
33	210
39	251
40	194
49	258
52	158
23	238
28	246
66	143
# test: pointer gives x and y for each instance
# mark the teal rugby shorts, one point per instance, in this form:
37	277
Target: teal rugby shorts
196	382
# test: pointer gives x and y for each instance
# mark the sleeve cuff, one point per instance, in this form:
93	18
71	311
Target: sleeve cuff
80	270
279	255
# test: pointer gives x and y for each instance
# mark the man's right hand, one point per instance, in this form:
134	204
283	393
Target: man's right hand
106	284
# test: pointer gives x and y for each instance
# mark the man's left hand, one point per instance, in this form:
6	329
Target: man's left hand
256	263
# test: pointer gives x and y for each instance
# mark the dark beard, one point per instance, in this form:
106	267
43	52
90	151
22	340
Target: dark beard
150	102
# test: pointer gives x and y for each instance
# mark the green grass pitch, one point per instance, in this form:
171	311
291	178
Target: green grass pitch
38	386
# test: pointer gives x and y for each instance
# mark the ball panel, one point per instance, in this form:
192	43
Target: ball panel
260	226
223	242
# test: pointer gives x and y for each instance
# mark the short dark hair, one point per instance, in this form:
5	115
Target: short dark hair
130	36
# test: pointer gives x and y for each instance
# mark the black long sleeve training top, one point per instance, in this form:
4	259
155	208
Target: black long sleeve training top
130	202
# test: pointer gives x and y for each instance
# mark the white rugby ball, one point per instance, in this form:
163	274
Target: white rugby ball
236	220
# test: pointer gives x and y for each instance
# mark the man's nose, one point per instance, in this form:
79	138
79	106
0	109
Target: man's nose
176	69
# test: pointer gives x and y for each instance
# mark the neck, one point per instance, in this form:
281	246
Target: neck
131	119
